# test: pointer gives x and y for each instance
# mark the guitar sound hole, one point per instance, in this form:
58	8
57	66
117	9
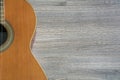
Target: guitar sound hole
3	34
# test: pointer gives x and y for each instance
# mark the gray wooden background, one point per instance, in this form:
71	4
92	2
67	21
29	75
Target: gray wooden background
78	39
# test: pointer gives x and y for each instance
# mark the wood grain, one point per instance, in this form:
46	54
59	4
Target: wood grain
78	39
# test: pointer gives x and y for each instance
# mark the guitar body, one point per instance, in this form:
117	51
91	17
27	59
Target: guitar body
17	62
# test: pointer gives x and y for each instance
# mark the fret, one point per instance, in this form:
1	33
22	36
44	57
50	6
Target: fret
1	2
2	11
1	16
2	20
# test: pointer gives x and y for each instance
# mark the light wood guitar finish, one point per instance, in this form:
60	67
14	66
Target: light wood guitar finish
17	62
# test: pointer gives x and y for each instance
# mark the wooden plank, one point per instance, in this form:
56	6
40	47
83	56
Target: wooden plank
92	2
48	2
79	16
75	8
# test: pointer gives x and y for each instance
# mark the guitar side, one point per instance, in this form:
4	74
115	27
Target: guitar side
17	62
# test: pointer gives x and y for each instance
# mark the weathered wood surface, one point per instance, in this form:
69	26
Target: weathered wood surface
78	39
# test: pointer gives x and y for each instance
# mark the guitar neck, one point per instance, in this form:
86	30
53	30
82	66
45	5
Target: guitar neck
2	16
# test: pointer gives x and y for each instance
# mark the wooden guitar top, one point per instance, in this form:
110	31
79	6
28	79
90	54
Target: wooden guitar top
17	62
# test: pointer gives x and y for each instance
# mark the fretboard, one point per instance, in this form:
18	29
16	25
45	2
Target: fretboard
2	11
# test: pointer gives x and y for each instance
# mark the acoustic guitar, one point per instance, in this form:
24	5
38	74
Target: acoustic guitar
17	25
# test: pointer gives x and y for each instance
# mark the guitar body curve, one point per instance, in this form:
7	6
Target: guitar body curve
17	62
